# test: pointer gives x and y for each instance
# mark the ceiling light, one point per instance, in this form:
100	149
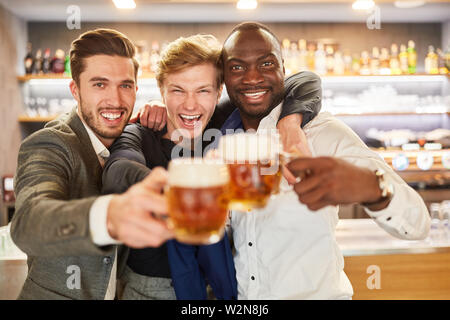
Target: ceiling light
247	4
363	5
409	4
124	4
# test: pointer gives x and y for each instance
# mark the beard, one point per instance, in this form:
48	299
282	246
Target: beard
88	115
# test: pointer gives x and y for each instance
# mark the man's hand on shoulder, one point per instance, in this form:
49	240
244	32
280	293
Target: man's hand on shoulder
153	115
133	216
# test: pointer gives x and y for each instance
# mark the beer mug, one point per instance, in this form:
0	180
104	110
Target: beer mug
253	160
197	200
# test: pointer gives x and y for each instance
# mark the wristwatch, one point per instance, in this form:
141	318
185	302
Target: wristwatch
386	188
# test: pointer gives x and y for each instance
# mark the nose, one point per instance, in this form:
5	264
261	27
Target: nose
252	76
114	98
190	103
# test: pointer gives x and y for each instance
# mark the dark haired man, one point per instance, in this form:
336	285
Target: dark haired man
61	223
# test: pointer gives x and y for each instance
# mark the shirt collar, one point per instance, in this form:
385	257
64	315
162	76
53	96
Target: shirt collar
99	147
234	121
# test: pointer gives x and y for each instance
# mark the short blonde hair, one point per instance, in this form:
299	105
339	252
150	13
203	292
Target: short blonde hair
187	52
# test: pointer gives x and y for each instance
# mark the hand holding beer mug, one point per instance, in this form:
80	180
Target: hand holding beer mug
197	200
253	160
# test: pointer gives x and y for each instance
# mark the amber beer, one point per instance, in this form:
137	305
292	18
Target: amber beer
254	168
197	200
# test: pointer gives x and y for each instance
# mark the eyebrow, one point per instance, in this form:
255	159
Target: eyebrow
95	79
270	54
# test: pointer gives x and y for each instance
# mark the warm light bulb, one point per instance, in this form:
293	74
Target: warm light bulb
247	4
124	4
363	5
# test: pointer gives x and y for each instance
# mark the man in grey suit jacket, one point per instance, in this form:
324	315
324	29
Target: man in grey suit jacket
69	232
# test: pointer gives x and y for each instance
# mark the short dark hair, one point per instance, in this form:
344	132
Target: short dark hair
100	41
252	25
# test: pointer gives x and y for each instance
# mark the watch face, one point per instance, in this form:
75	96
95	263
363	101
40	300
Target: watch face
446	160
400	162
425	160
8	184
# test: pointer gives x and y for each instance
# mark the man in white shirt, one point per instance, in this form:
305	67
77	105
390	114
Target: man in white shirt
288	249
68	231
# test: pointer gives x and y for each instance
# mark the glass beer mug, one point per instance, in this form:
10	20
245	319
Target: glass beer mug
197	200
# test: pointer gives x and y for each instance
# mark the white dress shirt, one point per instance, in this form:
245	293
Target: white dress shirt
98	214
286	251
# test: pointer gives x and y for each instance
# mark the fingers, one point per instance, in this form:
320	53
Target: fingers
291	179
134	118
144	113
156	180
163	120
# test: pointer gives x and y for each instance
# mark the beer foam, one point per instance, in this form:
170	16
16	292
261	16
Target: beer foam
197	173
251	147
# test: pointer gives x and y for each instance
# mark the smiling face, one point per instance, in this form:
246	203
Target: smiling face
253	72
190	96
106	94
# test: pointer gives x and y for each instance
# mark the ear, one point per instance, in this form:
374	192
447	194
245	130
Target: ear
75	91
282	63
219	94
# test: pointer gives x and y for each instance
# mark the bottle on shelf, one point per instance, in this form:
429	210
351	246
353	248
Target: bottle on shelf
302	55
394	62
339	65
37	69
431	61
330	58
57	64
384	62
67	71
310	57
412	57
375	61
294	58
286	53
447	58
46	61
403	59
348	61
154	57
441	62
356	64
29	61
364	69
320	59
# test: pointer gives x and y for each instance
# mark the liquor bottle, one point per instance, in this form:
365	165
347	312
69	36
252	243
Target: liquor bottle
29	61
365	64
286	53
320	59
375	61
403	58
46	61
447	58
330	58
394	62
356	64
302	55
348	61
310	58
67	71
294	59
441	62
57	63
412	57
37	68
339	65
431	61
384	62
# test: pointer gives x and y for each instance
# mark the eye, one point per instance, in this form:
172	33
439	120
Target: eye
126	86
99	85
267	64
236	67
205	91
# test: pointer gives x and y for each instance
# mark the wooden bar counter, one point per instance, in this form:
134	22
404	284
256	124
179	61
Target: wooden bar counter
381	266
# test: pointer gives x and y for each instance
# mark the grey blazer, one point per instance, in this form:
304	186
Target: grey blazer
58	178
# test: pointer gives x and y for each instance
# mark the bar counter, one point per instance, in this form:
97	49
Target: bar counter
378	265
